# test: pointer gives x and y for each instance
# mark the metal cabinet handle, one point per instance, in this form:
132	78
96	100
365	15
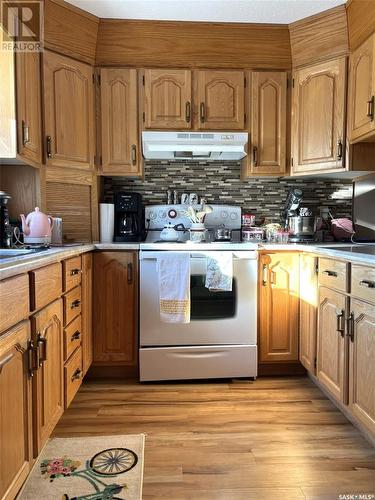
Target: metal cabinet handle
188	112
370	108
25	133
76	303
77	374
5	360
76	335
42	349
130	273
49	146
273	278
255	156
264	275
330	273
134	154
75	271
202	112
33	358
339	150
367	283
340	323
351	326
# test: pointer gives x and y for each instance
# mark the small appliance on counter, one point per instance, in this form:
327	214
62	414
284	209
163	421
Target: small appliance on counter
129	217
37	228
5	228
299	222
363	208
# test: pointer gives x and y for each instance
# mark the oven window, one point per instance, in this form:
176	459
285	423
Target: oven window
210	305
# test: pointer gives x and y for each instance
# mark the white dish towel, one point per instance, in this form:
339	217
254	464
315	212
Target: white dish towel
174	286
219	273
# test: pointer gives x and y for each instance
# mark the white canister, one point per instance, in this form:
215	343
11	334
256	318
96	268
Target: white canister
107	222
57	231
197	232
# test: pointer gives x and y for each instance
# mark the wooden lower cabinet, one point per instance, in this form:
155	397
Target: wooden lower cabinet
308	311
278	307
332	356
87	328
15	410
48	380
115	308
361	363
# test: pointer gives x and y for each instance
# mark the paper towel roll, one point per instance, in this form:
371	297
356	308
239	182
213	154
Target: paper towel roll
107	222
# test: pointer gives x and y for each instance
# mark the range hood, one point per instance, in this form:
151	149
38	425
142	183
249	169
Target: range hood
230	146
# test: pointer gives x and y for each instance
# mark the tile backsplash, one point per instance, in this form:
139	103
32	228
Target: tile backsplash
221	184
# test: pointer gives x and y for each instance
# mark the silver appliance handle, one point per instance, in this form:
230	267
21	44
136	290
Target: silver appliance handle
242	255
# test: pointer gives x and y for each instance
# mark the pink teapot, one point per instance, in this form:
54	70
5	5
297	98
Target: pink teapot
37	227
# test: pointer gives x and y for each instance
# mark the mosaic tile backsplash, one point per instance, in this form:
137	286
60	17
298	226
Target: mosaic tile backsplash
221	184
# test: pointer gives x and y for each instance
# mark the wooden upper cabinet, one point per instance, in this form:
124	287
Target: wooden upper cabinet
278	307
220	102
331	353
167	99
68	112
308	311
362	92
119	122
362	366
318	117
15	415
29	124
268	122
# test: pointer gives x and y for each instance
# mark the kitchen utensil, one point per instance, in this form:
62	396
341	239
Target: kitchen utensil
193	199
223	234
184	199
37	227
175	197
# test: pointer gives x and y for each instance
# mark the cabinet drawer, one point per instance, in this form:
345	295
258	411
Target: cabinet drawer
14	300
72	305
333	274
46	285
363	282
72	337
72	271
73	376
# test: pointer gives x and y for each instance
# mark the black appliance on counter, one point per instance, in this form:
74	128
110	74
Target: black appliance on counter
5	228
364	208
129	217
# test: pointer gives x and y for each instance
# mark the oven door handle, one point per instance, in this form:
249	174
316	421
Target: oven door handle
241	255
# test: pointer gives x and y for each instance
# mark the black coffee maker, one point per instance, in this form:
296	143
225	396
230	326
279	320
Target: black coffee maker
129	217
5	229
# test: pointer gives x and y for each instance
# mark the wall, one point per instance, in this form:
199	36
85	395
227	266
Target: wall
221	184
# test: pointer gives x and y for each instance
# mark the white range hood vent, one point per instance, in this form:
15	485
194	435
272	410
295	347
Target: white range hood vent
209	146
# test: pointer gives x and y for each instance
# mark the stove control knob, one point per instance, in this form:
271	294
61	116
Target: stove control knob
162	214
224	214
233	216
152	215
172	214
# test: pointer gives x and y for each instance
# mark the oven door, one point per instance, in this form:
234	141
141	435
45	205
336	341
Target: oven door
216	317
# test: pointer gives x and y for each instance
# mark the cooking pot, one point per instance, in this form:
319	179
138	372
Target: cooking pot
223	234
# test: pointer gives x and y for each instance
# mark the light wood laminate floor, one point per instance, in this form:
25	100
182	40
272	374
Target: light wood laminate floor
276	438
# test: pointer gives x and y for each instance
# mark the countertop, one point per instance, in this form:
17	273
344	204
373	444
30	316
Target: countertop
17	265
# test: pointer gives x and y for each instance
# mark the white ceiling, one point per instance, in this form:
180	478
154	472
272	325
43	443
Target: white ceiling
237	11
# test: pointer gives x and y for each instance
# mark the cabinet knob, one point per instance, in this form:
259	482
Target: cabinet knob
134	154
77	374
76	303
255	156
370	108
330	273
25	133
74	272
130	273
367	283
76	335
264	275
42	349
49	146
202	112
340	323
188	112
339	150
351	326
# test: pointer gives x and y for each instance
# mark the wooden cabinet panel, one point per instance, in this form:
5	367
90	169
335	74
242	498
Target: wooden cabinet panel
362	366
363	282
167	98
15	411
14	301
362	92
72	304
29	125
308	309
72	272
332	343
318	117
72	376
268	122
220	99
46	285
87	328
68	112
48	381
278	308
115	308
119	122
333	273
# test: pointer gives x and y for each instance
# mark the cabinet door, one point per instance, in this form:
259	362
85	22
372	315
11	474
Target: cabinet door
115	308
220	99
119	122
167	98
15	415
68	112
278	308
87	333
362	366
29	126
332	344
308	311
362	91
268	122
48	381
318	117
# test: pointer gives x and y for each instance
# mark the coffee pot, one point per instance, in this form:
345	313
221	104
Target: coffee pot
37	228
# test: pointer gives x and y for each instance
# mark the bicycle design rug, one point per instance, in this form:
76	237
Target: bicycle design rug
88	468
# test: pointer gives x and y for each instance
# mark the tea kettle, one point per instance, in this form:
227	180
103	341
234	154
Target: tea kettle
37	228
170	232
